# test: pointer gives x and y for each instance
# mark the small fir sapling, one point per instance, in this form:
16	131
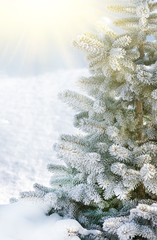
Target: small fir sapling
109	177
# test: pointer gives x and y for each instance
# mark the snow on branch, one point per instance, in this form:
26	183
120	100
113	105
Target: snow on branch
76	100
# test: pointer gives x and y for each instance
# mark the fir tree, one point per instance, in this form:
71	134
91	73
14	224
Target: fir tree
109	177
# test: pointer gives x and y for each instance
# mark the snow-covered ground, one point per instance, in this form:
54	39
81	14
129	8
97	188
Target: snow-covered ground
31	119
27	221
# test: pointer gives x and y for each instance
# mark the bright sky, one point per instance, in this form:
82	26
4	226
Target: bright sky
31	31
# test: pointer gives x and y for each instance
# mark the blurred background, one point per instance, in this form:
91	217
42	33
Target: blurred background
36	35
37	60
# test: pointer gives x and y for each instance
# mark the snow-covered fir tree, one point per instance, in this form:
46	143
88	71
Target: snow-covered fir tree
109	177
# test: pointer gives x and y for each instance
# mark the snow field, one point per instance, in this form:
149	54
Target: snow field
31	119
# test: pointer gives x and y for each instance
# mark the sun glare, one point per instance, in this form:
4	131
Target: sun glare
32	27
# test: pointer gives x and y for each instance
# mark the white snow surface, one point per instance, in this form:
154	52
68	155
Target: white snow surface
27	221
31	120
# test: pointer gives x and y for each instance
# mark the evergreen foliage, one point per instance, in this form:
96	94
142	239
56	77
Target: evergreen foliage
109	176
